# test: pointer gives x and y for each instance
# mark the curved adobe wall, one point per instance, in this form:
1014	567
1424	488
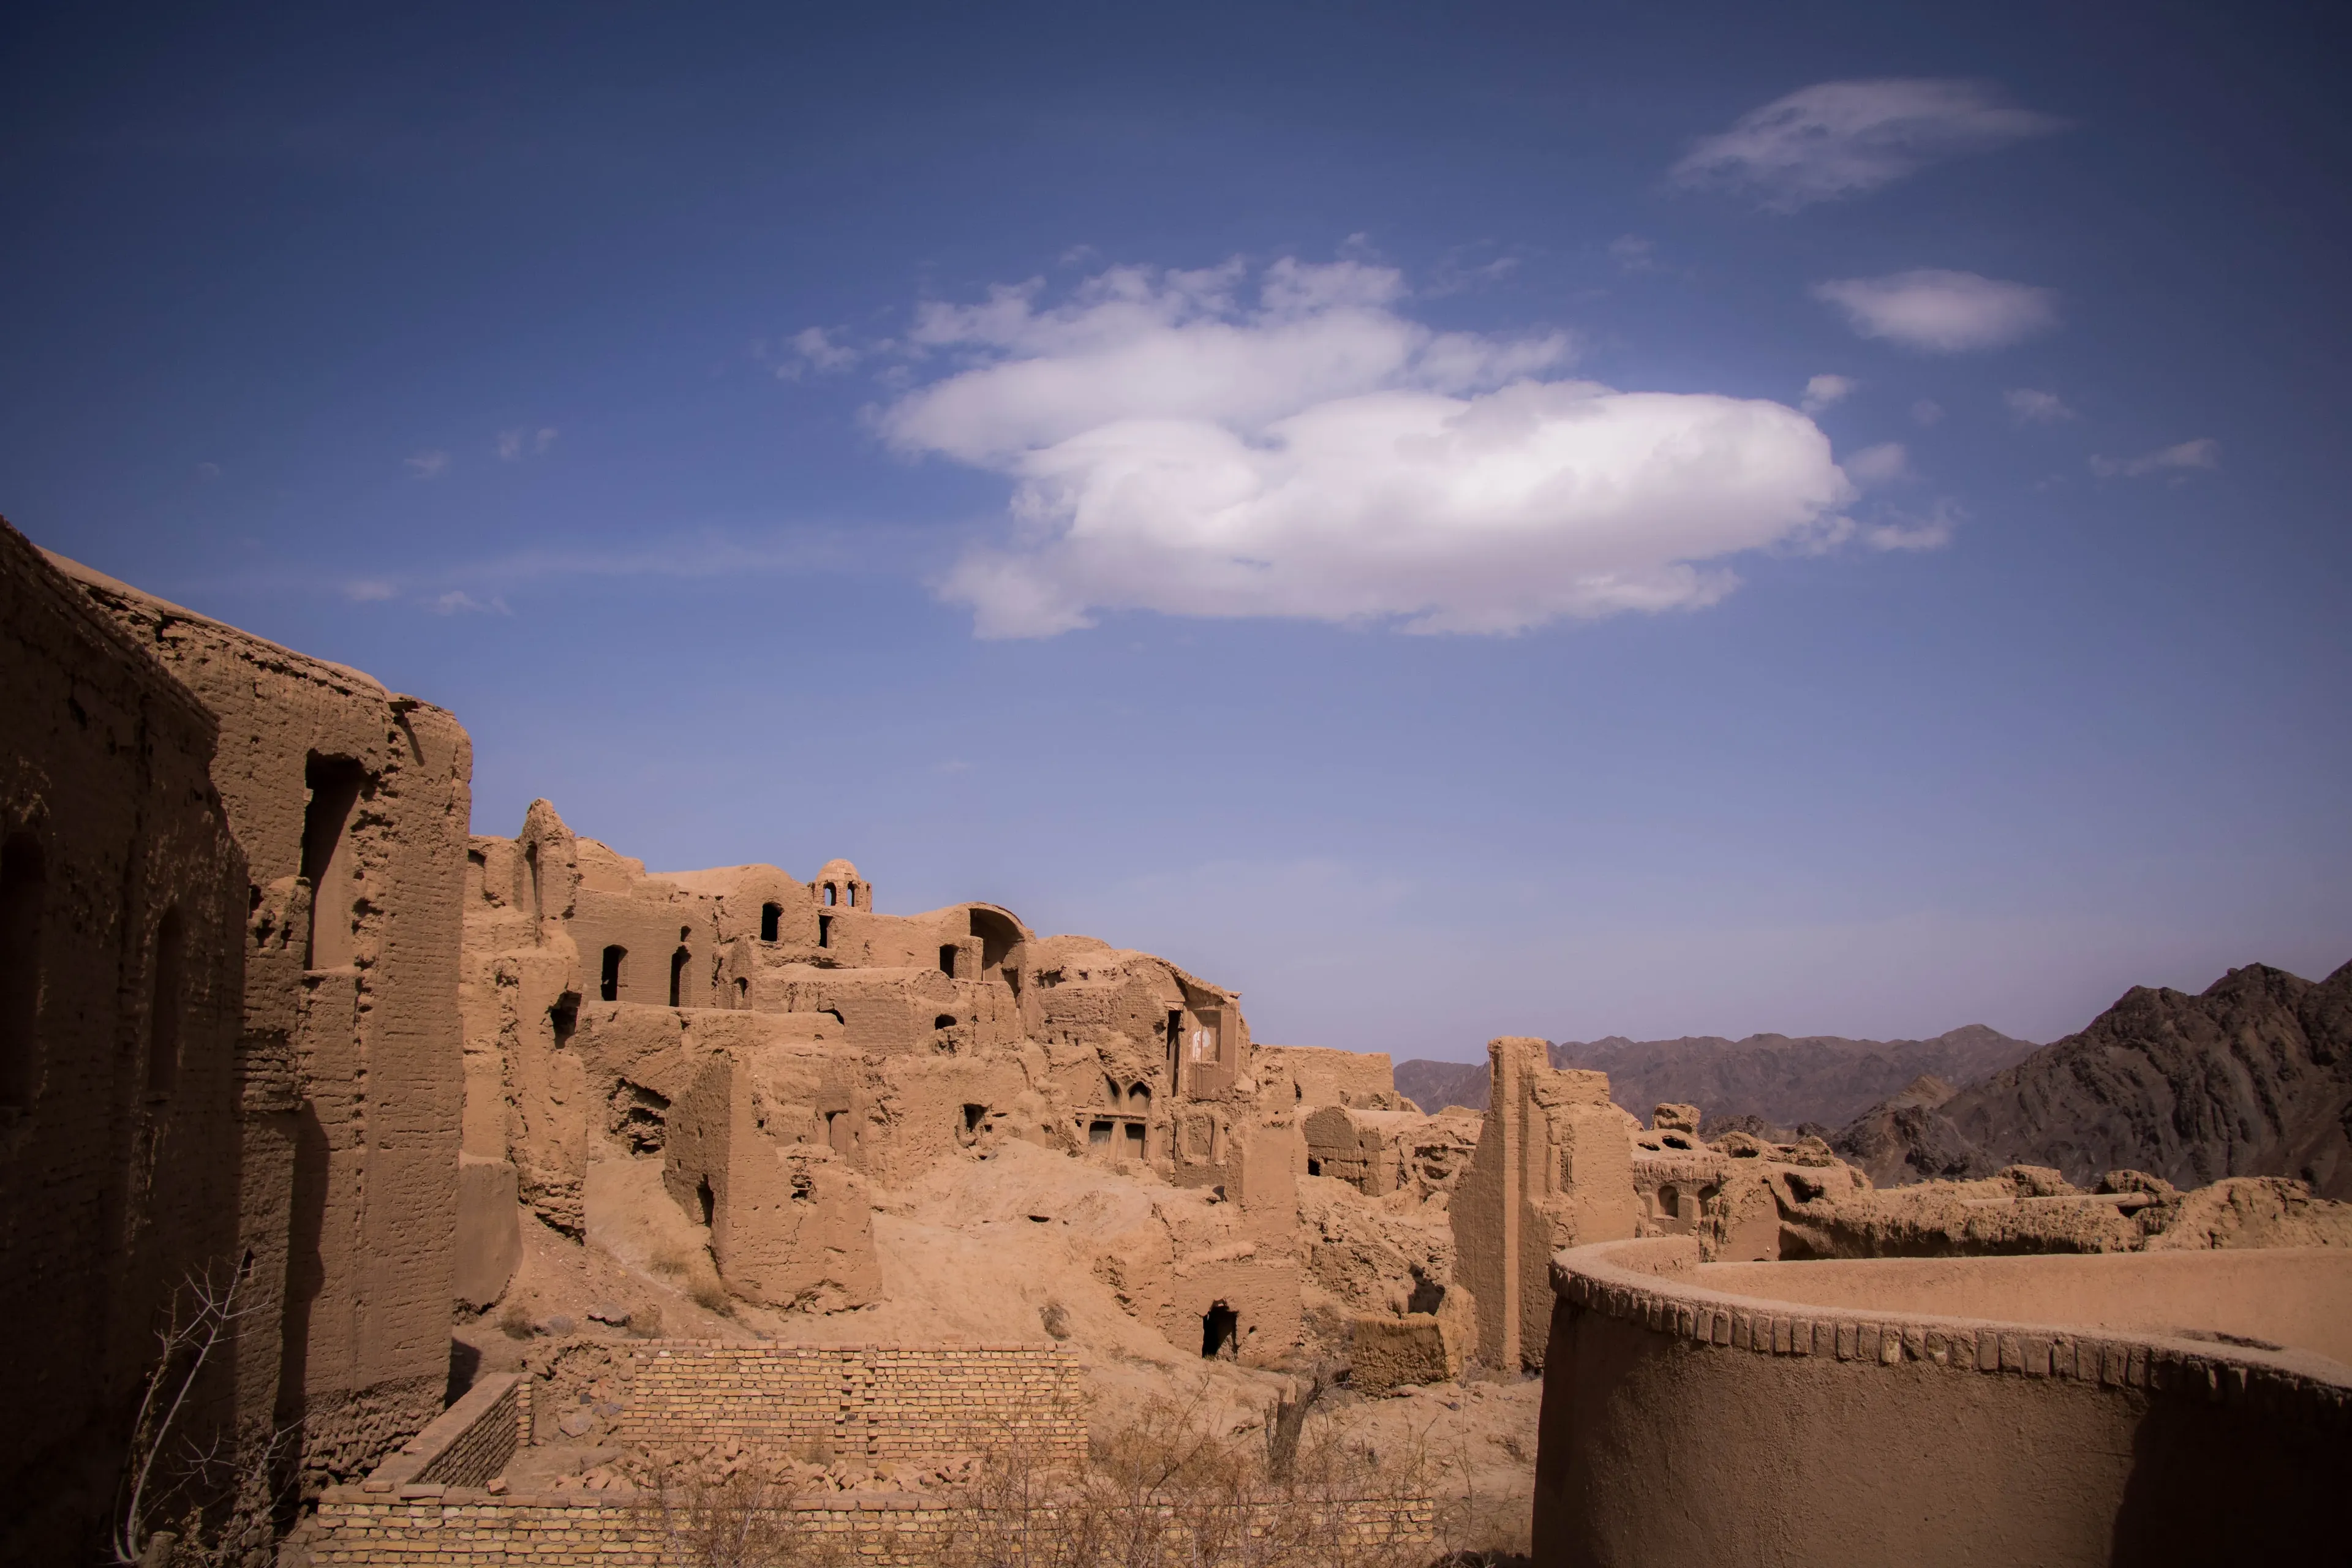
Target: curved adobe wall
2298	1297
1686	1423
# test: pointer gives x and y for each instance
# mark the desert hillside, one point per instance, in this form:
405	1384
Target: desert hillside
2252	1077
1783	1081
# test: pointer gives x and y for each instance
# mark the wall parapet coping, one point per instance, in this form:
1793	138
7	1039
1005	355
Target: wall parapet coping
1645	1283
478	1434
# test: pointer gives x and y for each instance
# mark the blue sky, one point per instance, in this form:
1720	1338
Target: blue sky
1455	520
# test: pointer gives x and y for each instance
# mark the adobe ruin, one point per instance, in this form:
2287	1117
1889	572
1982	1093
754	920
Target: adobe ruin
271	1013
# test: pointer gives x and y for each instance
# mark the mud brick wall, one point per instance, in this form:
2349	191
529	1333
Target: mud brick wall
436	1527
466	1445
854	1401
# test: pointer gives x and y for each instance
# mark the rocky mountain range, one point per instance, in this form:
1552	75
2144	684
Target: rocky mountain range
1775	1080
2252	1077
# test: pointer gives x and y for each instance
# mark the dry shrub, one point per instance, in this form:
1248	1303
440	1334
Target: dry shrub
1165	1489
732	1512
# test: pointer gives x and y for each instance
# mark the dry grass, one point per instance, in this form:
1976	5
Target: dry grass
1161	1489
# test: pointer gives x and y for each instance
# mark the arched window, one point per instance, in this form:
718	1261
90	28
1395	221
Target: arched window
771	917
678	962
164	1006
831	895
530	878
1138	1101
824	931
616	961
23	880
948	960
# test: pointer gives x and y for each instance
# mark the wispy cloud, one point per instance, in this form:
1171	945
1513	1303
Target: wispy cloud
2028	406
1826	391
370	591
428	465
1941	312
208	471
515	445
1287	441
1927	411
457	601
1839	139
1930	530
814	348
2176	462
1632	253
1879	465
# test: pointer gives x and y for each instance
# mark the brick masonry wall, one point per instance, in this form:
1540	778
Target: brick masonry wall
466	1445
462	1528
880	1402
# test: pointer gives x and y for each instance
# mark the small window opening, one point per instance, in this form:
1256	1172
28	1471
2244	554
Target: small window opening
1175	1038
831	895
329	858
1428	1295
22	881
742	990
1139	1099
947	960
704	1201
530	877
1135	1139
563	1017
771	917
1314	1167
824	931
608	985
163	1006
839	1134
1110	1091
1099	1134
944	1021
678	962
1220	1332
1670	1202
973	1115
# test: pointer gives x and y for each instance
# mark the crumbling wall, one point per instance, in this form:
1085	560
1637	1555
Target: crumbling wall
121	931
1553	1170
350	804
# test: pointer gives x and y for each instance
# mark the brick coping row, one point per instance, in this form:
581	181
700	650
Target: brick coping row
416	1497
1598	1278
770	1347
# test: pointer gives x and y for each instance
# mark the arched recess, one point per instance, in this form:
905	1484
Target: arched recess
166	1003
23	885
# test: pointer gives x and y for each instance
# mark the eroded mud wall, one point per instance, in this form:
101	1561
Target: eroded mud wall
121	921
350	804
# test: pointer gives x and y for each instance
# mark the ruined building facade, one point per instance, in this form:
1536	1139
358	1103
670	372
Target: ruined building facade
234	1052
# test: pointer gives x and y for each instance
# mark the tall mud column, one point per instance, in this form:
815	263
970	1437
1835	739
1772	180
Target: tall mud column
1553	1170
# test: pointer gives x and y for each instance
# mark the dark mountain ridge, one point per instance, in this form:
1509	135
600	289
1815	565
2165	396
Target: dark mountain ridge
2252	1078
1783	1080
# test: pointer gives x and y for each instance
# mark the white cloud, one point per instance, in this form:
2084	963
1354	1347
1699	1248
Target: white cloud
1927	411
208	471
1878	465
1841	139
1942	312
368	591
816	350
457	601
428	465
1177	445
1632	253
2031	407
1931	530
515	444
2203	453
1823	391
